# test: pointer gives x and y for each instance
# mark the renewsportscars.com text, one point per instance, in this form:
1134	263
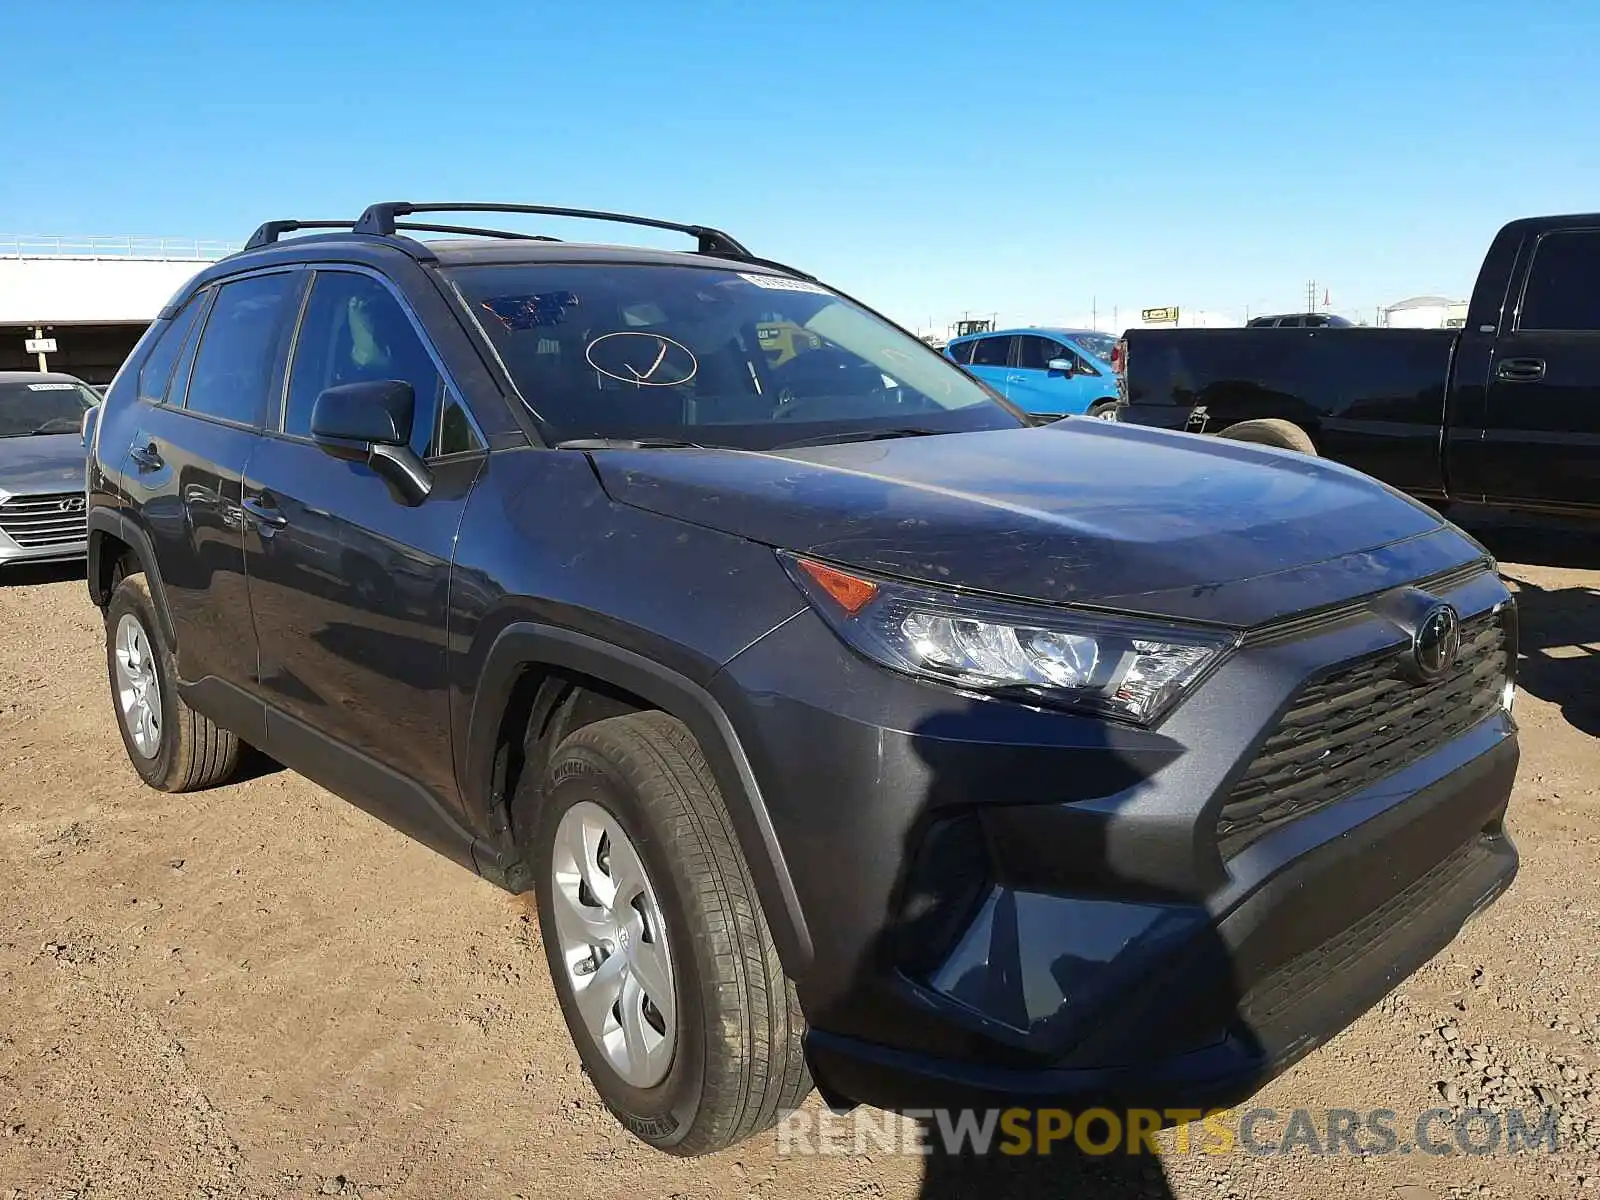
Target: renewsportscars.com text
1098	1131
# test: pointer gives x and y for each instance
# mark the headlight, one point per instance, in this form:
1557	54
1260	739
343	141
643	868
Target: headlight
1129	668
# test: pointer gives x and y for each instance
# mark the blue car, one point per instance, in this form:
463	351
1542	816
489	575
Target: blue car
1046	372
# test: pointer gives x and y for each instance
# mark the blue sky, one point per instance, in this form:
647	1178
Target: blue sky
1030	160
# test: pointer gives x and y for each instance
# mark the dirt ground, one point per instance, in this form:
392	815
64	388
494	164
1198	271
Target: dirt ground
260	991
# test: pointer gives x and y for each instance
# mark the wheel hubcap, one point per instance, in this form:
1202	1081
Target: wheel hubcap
613	944
138	687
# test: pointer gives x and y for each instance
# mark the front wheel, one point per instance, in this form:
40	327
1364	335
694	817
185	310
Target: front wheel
172	747
658	949
1103	410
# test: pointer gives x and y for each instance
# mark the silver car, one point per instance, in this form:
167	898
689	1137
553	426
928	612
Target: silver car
41	466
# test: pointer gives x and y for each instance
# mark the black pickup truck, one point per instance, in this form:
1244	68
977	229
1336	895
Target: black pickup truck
1504	412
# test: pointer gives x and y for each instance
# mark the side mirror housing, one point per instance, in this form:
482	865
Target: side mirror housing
1060	365
372	420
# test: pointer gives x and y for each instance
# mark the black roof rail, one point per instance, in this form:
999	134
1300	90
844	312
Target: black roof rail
380	219
270	231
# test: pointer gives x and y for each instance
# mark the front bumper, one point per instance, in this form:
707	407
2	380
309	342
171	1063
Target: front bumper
12	554
1012	905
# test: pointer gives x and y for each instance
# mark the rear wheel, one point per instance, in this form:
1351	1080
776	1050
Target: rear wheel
172	747
660	956
1285	435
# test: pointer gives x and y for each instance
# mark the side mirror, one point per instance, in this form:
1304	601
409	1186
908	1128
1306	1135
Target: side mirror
1061	365
372	421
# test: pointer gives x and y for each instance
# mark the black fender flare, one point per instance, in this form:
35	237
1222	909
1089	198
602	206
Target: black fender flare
525	644
108	521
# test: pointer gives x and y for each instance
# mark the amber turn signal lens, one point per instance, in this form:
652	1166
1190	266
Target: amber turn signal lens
847	591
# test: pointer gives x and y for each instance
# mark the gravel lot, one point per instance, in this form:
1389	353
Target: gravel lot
261	991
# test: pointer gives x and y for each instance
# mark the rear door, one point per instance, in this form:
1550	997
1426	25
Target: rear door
1542	419
991	360
193	435
348	583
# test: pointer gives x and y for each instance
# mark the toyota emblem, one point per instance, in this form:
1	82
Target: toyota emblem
72	504
1437	641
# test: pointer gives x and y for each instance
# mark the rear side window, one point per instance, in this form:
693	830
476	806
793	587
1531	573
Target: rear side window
238	355
355	331
991	352
157	369
1563	290
962	352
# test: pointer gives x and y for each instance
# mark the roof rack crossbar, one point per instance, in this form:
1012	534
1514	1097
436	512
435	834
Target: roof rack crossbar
380	219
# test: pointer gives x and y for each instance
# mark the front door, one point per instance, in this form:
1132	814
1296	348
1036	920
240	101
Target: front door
1542	417
1033	386
196	425
349	584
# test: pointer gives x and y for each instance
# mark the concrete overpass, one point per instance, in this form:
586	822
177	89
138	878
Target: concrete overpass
90	296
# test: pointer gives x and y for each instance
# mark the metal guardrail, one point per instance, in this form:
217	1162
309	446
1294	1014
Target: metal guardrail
160	249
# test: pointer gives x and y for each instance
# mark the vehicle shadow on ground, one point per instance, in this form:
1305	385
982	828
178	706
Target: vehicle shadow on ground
1559	649
1558	627
37	574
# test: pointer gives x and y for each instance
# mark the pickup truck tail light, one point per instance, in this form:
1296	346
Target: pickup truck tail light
1119	366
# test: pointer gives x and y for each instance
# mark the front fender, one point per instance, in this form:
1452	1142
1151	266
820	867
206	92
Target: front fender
525	644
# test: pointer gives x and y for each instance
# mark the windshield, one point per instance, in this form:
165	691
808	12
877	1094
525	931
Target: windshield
30	408
1098	344
715	357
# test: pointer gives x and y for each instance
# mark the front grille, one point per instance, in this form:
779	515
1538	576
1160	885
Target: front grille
1358	724
39	522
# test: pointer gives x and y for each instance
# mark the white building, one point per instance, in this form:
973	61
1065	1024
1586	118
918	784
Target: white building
91	297
1425	312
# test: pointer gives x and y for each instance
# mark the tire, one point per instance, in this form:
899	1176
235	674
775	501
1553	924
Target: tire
1285	435
1102	410
179	750
736	1064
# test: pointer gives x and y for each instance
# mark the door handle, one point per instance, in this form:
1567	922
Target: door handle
1016	379
1520	370
147	458
263	512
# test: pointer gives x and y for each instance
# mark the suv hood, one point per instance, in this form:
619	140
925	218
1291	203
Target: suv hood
1078	512
47	462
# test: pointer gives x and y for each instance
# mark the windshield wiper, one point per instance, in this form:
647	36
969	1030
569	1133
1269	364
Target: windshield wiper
870	435
648	443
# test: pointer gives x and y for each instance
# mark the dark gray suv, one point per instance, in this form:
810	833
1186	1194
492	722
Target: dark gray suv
848	729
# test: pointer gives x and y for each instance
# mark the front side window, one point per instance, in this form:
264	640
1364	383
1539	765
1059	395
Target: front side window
355	331
711	356
157	369
44	407
1037	353
1563	290
238	355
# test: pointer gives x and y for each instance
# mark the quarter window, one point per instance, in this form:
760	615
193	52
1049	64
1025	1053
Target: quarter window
1563	291
962	352
238	356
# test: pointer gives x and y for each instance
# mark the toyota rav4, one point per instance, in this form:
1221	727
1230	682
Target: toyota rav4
849	730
